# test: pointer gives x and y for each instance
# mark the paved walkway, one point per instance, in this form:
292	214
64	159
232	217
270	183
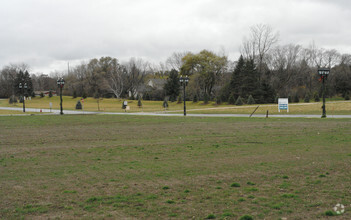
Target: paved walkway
74	112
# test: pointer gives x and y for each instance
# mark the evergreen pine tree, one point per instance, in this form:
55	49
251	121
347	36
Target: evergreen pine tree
172	85
307	98
74	94
251	100
235	85
239	101
195	99
231	99
50	94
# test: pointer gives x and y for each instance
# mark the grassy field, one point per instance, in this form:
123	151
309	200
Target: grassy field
131	167
115	105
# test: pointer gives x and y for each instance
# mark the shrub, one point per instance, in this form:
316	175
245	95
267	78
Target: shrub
206	98
307	98
239	101
218	100
41	95
139	103
316	97
231	100
195	99
84	95
50	94
12	99
251	100
179	100
347	96
165	104
79	105
74	94
146	96
296	99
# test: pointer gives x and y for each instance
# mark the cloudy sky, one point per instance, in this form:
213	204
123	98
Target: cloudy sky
46	34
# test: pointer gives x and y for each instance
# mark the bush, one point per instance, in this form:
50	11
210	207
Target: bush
79	105
41	95
12	99
206	98
146	96
231	99
347	96
179	99
316	97
296	99
84	95
239	101
139	102
74	94
50	94
218	100
195	99
307	98
251	100
165	104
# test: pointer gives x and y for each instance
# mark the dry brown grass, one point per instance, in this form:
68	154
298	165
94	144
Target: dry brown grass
117	167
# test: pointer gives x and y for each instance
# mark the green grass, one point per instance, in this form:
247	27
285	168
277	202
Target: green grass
99	166
335	106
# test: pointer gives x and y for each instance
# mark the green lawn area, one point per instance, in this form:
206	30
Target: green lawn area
115	105
135	167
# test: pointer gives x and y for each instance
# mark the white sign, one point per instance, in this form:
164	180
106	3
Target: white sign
50	104
283	104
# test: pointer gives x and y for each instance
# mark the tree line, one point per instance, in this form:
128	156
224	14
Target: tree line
264	72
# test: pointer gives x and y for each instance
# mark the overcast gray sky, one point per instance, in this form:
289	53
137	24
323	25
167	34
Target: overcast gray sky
46	34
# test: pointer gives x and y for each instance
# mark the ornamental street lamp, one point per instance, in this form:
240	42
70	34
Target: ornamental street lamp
22	88
60	84
184	82
323	72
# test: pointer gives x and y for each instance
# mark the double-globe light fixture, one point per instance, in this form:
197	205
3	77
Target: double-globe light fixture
60	84
324	73
23	87
184	82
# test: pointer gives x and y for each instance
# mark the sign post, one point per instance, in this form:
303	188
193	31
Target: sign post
283	104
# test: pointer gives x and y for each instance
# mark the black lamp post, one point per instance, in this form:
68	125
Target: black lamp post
184	82
60	84
22	88
323	72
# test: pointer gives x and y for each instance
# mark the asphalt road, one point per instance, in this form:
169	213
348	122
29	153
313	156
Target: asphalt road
73	112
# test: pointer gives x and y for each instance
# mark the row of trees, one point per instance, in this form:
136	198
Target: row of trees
264	71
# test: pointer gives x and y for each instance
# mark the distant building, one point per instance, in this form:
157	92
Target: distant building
45	93
157	83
